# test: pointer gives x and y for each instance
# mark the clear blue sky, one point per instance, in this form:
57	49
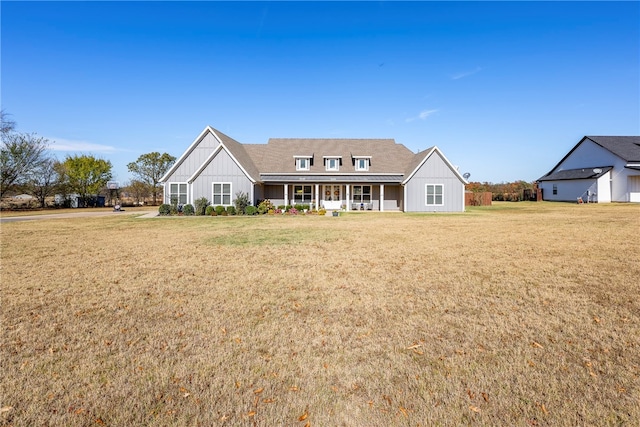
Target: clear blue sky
505	89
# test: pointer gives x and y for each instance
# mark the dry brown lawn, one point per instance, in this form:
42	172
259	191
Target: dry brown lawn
519	314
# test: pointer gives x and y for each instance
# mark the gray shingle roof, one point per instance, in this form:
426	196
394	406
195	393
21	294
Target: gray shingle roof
240	153
277	156
625	147
582	173
337	178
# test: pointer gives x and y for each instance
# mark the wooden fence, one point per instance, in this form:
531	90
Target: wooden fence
477	199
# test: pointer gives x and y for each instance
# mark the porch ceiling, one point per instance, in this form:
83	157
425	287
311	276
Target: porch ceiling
313	179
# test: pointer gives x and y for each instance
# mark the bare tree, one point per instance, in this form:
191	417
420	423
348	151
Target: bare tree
20	155
138	190
6	126
43	181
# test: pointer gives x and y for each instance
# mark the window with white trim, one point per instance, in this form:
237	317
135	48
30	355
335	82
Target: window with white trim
221	194
178	193
303	163
434	194
361	194
332	164
362	164
302	194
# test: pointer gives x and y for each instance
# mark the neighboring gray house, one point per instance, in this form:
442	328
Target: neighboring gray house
599	169
354	174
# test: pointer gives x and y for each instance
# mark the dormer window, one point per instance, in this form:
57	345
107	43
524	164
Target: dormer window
362	163
303	163
332	163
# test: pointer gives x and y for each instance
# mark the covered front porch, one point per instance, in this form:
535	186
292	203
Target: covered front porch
338	196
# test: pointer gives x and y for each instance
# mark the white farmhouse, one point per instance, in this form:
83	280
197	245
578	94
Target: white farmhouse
599	169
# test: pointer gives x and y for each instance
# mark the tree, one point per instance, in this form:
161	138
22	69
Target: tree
43	181
150	167
6	126
138	190
20	155
86	175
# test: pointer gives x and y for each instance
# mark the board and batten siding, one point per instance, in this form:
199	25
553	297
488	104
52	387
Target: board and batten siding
434	171
194	159
222	168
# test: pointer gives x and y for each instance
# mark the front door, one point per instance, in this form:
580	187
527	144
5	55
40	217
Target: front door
332	196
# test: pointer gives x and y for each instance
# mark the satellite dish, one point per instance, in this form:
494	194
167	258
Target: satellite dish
597	170
466	175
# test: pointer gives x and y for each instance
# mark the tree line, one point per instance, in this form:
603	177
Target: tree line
27	166
503	191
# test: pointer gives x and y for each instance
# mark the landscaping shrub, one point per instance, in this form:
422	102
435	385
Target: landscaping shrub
264	206
293	211
241	202
188	209
209	210
220	209
201	205
281	207
322	211
164	209
231	210
173	210
286	208
251	210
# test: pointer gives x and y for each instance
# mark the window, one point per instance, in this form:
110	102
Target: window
302	194
178	193
434	195
221	194
332	164
555	188
361	194
362	164
302	164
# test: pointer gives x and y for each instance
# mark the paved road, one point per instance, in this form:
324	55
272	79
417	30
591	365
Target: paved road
81	214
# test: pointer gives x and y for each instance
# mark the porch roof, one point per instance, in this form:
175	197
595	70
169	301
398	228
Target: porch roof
582	173
317	179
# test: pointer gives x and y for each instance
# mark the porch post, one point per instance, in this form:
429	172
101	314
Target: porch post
347	202
381	197
286	194
317	196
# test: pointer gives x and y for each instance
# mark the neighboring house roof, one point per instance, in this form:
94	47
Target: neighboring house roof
582	173
625	147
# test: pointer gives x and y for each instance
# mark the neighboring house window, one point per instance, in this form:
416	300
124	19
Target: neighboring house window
362	164
361	194
434	195
178	193
333	164
555	188
302	194
302	164
221	193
